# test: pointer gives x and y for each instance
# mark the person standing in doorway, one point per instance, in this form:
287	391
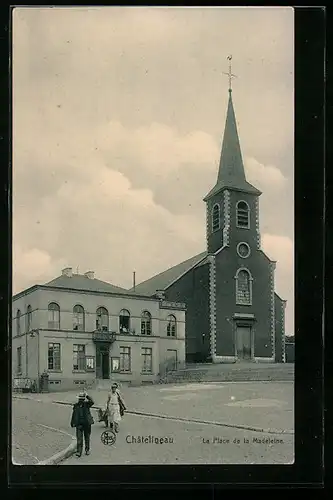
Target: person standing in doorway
82	420
115	407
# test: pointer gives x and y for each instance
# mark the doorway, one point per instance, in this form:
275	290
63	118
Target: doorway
171	360
244	342
102	361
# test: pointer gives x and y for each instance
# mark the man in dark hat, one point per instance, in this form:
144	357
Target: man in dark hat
82	420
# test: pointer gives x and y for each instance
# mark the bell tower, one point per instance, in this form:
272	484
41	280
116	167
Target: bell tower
232	206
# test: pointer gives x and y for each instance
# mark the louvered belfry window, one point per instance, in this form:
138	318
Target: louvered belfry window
216	218
243	215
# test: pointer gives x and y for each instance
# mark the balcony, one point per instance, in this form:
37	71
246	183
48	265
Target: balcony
106	337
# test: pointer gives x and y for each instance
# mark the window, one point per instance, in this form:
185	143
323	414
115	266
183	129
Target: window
115	364
124	321
28	319
102	320
171	326
90	363
78	318
79	357
243	250
18	322
243	215
53	357
147	359
54	316
19	360
243	287
216	217
145	323
125	359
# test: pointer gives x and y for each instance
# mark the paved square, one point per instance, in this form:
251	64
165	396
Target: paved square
197	423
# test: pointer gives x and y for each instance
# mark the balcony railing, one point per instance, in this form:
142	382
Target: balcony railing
99	336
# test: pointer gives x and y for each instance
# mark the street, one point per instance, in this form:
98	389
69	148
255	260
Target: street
227	409
38	431
184	443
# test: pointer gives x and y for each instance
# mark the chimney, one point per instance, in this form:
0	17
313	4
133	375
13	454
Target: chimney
89	274
133	281
68	271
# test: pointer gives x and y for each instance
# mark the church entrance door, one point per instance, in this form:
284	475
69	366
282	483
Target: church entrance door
243	343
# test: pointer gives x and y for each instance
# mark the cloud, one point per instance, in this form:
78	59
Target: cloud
31	267
264	176
117	133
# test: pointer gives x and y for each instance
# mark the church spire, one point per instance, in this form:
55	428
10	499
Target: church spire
231	168
231	172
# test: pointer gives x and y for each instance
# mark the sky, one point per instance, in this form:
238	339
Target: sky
118	119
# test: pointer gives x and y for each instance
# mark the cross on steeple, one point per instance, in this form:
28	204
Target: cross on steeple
230	74
231	172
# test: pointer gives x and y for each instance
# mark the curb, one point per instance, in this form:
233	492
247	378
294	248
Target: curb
211	422
182	419
61	455
197	421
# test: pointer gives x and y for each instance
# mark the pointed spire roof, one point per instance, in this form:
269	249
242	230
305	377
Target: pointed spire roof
231	169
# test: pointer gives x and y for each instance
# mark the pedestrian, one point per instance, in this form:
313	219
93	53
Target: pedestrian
115	407
82	420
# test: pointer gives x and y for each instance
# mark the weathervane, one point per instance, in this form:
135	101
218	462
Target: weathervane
230	74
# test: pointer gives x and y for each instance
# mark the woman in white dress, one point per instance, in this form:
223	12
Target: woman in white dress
113	407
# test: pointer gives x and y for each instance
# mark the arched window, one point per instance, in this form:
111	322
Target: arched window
124	321
28	319
243	287
78	318
18	322
102	319
243	215
54	316
146	323
171	326
216	217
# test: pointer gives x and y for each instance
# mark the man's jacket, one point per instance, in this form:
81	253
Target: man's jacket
87	418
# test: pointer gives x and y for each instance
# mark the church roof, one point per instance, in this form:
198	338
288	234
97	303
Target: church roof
162	280
82	282
231	168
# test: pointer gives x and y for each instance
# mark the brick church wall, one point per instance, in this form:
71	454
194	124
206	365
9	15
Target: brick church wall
227	263
193	289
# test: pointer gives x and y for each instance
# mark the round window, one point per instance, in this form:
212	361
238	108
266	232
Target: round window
243	250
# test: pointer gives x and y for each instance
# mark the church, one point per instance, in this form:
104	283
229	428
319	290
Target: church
233	313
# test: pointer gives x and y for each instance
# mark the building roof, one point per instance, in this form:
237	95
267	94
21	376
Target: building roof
231	168
82	282
162	280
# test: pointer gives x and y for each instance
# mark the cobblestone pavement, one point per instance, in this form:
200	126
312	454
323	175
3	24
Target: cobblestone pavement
265	405
262	405
36	431
184	443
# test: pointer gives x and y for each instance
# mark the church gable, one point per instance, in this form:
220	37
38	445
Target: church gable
163	280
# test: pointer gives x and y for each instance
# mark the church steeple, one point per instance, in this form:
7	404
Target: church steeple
232	206
231	172
231	168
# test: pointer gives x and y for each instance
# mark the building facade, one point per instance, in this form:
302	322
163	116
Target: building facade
79	330
232	310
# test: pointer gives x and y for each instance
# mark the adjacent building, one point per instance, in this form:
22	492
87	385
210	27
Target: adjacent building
232	310
80	329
